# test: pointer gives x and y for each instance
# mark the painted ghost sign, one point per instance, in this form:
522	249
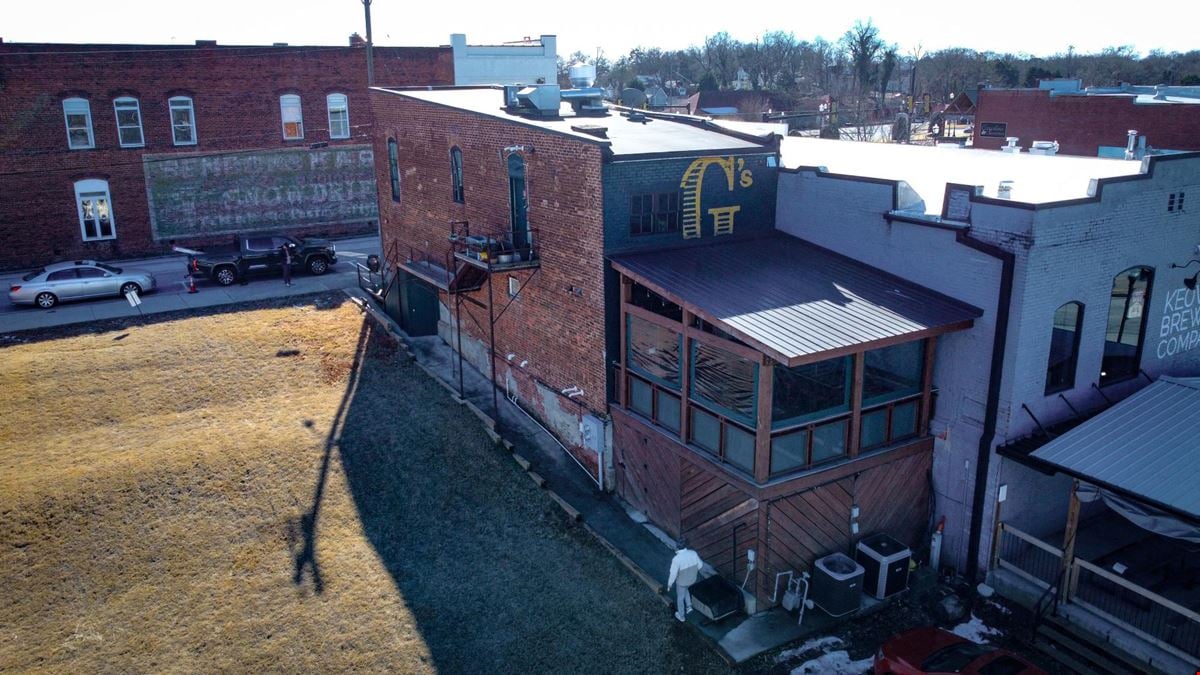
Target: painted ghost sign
693	184
269	190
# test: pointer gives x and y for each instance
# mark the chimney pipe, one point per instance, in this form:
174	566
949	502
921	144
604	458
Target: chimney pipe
1129	153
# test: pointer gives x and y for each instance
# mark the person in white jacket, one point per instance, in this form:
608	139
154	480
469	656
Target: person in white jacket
685	571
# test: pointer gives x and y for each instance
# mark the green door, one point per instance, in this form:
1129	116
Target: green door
419	307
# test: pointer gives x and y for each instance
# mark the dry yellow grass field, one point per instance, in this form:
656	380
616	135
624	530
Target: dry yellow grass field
276	489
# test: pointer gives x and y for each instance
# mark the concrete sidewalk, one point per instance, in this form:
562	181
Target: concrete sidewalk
645	550
171	294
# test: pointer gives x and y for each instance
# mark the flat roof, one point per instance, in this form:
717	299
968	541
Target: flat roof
659	134
1144	446
793	300
1036	179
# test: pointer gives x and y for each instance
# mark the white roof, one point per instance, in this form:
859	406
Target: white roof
1036	179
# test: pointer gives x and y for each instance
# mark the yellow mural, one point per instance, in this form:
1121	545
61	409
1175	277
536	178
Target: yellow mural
693	185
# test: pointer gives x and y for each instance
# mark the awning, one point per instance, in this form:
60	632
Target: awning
1147	447
793	300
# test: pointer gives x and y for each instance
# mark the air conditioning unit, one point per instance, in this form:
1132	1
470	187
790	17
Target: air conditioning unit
886	562
837	584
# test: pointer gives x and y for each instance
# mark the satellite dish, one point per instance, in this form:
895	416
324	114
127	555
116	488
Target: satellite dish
634	98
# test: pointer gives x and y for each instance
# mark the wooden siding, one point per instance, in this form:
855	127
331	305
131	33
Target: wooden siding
712	510
648	476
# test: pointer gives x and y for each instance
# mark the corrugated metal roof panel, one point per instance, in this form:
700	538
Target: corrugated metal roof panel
1147	445
793	299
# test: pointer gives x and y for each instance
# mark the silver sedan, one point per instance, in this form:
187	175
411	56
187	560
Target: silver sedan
77	280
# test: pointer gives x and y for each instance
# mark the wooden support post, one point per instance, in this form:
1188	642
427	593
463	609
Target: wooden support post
927	387
685	380
856	392
1068	548
762	436
623	330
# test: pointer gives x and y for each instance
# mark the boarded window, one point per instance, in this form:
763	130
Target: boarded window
292	116
653	351
725	382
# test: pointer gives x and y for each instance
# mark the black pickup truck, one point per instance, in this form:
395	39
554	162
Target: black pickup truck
261	253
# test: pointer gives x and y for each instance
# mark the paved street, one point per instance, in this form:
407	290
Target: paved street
172	292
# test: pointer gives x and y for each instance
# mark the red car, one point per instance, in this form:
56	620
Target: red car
924	651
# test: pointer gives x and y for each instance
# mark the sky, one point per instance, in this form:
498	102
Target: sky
615	26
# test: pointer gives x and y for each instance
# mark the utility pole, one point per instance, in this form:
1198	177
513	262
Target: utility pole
370	45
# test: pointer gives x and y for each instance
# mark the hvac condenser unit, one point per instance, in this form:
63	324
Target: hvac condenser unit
886	562
837	584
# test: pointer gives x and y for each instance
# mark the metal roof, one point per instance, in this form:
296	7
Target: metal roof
793	300
1146	446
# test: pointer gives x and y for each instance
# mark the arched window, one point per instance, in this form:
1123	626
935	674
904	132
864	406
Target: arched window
78	115
394	168
339	115
292	117
456	174
1064	347
1126	324
183	120
94	205
129	122
518	203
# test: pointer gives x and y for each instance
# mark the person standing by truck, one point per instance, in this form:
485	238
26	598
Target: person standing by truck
287	264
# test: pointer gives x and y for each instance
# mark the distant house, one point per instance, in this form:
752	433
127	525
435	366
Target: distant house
656	97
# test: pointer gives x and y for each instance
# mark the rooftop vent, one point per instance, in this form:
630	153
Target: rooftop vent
1004	191
582	75
539	101
1044	148
591	129
545	100
636	116
1011	145
206	43
278	44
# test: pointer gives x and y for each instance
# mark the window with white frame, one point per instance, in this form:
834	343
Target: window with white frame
95	210
183	120
129	122
293	119
78	115
339	115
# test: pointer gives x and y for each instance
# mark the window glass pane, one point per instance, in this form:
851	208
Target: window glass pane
789	451
78	115
643	297
653	350
61	275
829	441
90	273
260	244
1064	347
739	448
811	391
873	430
1126	321
668	410
289	110
706	430
904	420
640	397
725	381
893	372
182	121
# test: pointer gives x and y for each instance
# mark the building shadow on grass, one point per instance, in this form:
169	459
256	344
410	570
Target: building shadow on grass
494	577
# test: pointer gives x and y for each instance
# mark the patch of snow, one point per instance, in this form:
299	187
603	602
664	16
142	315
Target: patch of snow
975	630
835	663
822	644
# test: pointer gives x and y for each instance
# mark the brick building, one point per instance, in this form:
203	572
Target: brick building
1091	122
642	286
116	150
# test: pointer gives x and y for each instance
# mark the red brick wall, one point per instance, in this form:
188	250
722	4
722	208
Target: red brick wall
235	93
1081	124
560	333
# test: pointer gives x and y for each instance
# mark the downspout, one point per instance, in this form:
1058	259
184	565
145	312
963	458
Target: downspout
991	413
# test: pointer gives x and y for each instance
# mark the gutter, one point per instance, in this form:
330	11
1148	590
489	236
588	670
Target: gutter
995	375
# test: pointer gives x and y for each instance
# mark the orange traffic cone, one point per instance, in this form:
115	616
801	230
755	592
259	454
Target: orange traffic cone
192	284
